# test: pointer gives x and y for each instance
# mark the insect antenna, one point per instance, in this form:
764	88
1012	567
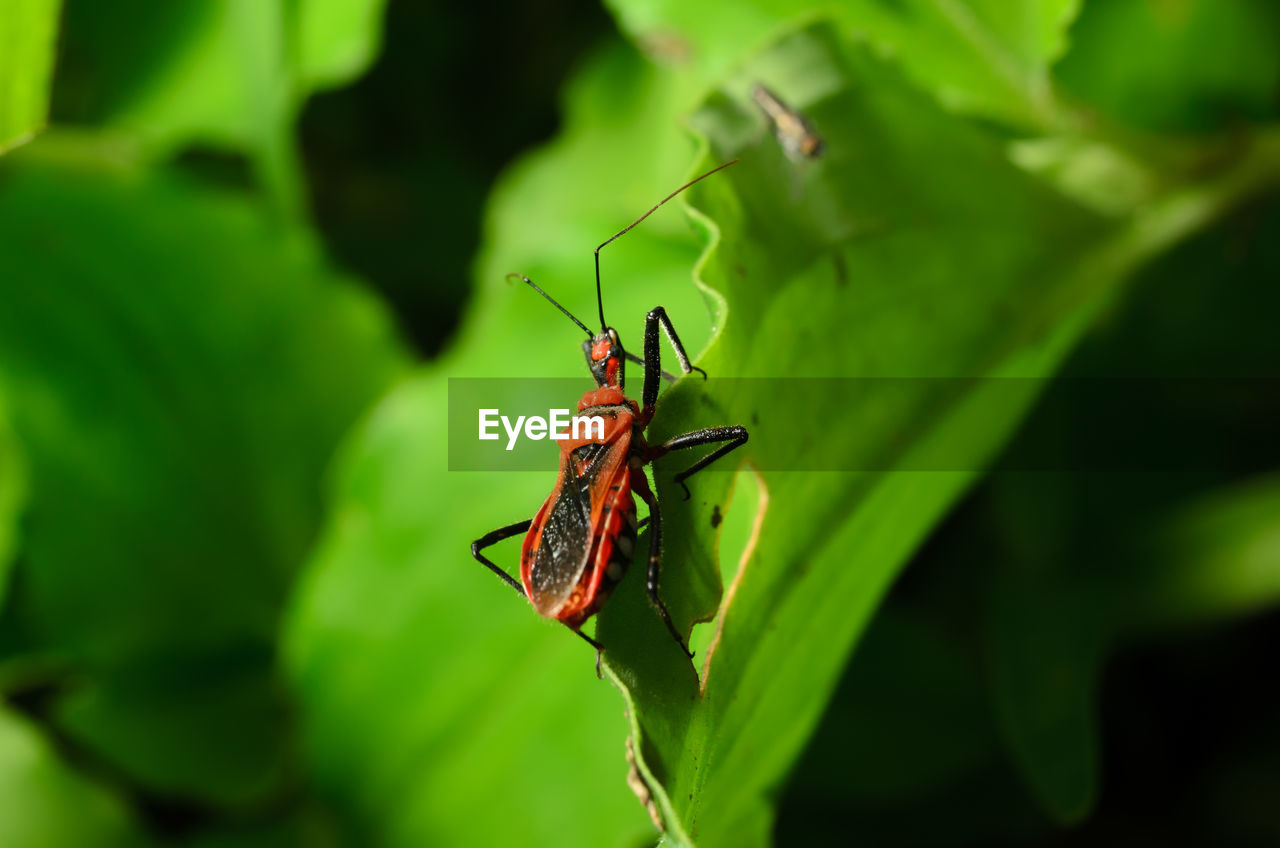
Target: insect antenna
629	227
554	303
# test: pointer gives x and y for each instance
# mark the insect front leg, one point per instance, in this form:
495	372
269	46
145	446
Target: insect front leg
655	563
735	436
507	532
653	357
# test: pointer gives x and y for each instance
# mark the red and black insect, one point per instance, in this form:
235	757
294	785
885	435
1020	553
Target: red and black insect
579	545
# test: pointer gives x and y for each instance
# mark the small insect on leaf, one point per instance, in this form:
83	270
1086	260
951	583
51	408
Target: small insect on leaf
795	133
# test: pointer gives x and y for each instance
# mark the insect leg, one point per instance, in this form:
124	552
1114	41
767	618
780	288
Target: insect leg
493	538
735	436
653	357
666	375
655	564
506	533
599	650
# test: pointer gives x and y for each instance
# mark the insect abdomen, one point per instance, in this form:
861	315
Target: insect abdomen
611	550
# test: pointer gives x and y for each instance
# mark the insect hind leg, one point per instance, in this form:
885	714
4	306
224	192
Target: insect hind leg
492	538
655	566
593	643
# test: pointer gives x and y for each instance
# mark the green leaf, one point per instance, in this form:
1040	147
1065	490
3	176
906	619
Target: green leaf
178	370
1049	632
910	718
1045	642
12	495
337	40
27	42
229	74
48	803
302	826
1191	65
985	57
855	270
242	67
914	249
234	85
1216	558
225	81
422	675
1078	567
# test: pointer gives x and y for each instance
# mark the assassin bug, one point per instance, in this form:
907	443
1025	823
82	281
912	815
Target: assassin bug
579	545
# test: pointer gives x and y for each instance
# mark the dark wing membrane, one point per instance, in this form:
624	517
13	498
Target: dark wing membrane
566	540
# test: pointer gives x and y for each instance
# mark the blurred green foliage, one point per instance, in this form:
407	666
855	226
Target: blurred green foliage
1131	601
147	384
26	66
49	803
198	646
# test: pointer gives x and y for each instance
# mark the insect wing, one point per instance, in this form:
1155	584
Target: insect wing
558	547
